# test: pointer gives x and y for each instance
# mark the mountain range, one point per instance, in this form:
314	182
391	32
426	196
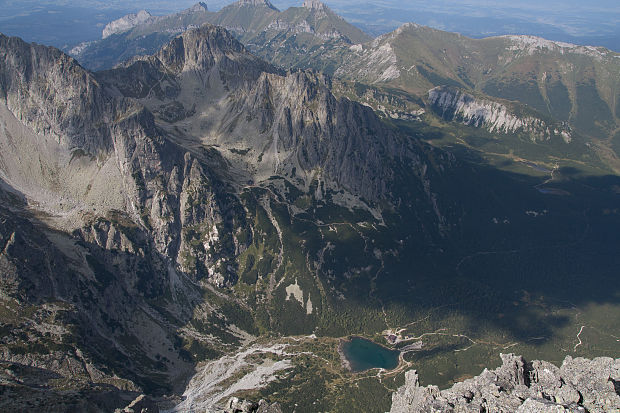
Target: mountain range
554	103
208	219
576	84
282	37
140	203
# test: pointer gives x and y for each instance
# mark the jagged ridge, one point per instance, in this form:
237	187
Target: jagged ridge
257	23
455	105
519	386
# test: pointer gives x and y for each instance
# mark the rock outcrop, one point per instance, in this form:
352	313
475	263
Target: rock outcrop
579	385
255	3
454	105
126	22
141	404
314	5
236	405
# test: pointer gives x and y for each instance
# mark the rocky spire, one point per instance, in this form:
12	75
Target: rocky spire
202	48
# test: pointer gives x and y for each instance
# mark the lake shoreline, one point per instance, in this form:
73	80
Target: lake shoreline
349	365
346	364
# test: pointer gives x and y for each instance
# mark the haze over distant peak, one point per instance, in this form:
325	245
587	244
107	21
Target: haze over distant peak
125	23
265	3
530	44
290	37
314	5
199	7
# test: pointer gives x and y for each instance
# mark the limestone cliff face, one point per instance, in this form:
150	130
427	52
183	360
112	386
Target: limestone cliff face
455	105
72	118
579	385
126	22
50	92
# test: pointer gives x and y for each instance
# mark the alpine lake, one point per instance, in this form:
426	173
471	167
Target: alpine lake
362	354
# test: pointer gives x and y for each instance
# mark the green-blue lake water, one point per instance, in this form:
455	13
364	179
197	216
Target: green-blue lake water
363	354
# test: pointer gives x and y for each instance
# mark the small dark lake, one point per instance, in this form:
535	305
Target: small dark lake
363	354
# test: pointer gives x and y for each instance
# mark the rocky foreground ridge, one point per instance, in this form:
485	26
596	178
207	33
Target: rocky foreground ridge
579	385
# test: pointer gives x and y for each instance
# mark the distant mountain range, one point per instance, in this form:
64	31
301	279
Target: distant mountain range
291	38
567	21
578	86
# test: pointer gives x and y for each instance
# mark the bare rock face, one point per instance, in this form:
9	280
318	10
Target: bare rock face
236	405
50	92
579	385
126	22
455	105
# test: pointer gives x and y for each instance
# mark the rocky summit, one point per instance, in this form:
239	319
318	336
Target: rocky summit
578	385
314	5
125	23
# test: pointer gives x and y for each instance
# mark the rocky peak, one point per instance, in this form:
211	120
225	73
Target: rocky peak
207	47
199	48
125	23
69	117
199	7
408	26
518	386
314	5
256	3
